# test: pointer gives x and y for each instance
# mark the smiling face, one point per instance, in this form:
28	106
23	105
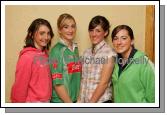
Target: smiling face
42	37
68	29
97	34
122	43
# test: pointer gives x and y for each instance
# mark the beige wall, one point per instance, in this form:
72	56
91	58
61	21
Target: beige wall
18	19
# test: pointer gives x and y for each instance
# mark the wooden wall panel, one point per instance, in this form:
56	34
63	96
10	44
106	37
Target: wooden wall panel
150	32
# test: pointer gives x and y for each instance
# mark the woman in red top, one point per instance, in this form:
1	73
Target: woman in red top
32	77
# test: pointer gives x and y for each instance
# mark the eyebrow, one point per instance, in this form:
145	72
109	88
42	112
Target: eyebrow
121	36
124	36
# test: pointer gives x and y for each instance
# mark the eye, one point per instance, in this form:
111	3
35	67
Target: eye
73	26
42	33
65	27
98	30
124	38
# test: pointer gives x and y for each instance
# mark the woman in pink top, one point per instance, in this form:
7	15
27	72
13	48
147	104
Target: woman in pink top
32	77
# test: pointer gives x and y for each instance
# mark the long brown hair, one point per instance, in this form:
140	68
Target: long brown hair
29	42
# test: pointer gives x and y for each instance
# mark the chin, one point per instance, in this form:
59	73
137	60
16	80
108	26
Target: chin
44	45
70	38
118	51
94	43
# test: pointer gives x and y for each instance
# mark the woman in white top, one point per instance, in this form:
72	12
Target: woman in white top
97	65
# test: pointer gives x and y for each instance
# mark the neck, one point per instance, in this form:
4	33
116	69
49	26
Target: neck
127	53
38	47
93	46
69	43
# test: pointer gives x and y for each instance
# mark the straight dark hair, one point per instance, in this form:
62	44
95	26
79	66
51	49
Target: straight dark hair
102	21
121	27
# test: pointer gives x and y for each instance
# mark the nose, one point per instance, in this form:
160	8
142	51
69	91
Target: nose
93	33
119	41
71	29
47	36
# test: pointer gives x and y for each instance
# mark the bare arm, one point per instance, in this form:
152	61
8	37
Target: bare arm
61	91
79	97
80	100
104	80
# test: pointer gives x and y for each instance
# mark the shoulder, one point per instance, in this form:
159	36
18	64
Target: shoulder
144	60
87	51
57	48
109	51
27	53
139	53
26	58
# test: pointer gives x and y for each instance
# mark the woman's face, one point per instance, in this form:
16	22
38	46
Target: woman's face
97	35
122	43
68	30
42	37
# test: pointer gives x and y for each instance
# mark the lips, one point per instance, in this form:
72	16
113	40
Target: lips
44	42
119	47
69	34
94	39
